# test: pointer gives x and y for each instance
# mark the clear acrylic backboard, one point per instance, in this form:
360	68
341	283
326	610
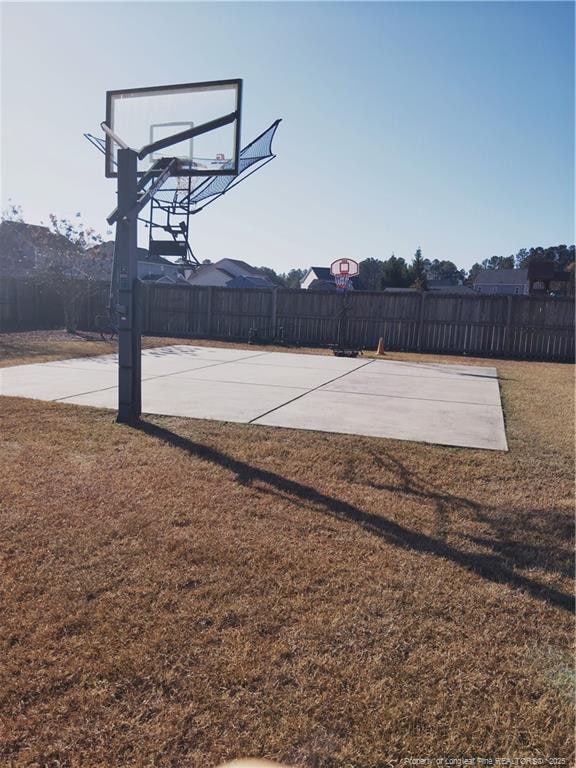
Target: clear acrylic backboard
141	116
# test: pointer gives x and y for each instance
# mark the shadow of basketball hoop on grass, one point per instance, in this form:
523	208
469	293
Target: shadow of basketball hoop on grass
496	567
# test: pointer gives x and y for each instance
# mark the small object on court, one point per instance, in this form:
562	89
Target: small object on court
343	352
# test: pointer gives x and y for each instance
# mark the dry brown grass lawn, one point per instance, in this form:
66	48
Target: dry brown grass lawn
194	591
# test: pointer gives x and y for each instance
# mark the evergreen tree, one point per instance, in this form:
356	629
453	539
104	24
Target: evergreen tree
293	278
371	272
395	273
271	275
418	270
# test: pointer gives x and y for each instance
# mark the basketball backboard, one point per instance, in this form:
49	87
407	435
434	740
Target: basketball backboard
143	116
344	268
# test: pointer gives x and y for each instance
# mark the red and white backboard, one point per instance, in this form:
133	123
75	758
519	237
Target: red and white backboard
344	268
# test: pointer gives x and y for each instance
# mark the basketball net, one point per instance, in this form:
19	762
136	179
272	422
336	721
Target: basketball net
343	282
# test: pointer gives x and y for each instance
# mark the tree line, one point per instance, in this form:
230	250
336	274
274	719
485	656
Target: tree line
396	272
375	274
65	251
559	255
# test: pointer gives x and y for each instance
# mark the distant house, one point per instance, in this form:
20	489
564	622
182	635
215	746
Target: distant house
400	290
186	267
503	281
157	268
21	247
231	273
250	281
449	290
442	286
151	268
26	249
449	287
319	279
545	278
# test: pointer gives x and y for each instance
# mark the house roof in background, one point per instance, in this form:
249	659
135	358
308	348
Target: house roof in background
322	285
250	281
210	267
443	282
322	273
147	258
106	249
23	228
246	275
501	277
235	267
27	248
401	290
19	236
448	289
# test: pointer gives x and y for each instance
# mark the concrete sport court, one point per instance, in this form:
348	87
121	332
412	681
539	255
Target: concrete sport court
446	404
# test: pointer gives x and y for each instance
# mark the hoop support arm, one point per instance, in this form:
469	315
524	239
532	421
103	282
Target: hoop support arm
107	130
145	197
190	133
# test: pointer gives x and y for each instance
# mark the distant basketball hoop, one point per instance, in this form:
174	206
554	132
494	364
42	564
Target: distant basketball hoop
346	267
343	270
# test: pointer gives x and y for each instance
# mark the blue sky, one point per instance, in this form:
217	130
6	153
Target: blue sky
445	126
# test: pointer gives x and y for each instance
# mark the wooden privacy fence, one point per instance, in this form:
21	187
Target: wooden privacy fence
499	326
26	305
529	327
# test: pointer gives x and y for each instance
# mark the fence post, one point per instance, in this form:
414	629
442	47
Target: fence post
209	311
509	300
274	313
420	321
144	307
193	329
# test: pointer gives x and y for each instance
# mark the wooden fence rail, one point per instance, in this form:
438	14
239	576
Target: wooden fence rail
529	327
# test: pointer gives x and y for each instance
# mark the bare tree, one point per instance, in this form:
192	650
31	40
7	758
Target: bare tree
69	263
13	213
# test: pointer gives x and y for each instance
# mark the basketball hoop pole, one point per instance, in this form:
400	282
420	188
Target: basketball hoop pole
343	270
133	195
126	256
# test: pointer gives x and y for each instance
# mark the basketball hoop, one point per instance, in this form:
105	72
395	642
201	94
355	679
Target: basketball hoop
343	270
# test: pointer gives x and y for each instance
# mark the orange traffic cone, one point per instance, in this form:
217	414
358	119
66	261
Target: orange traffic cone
380	350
